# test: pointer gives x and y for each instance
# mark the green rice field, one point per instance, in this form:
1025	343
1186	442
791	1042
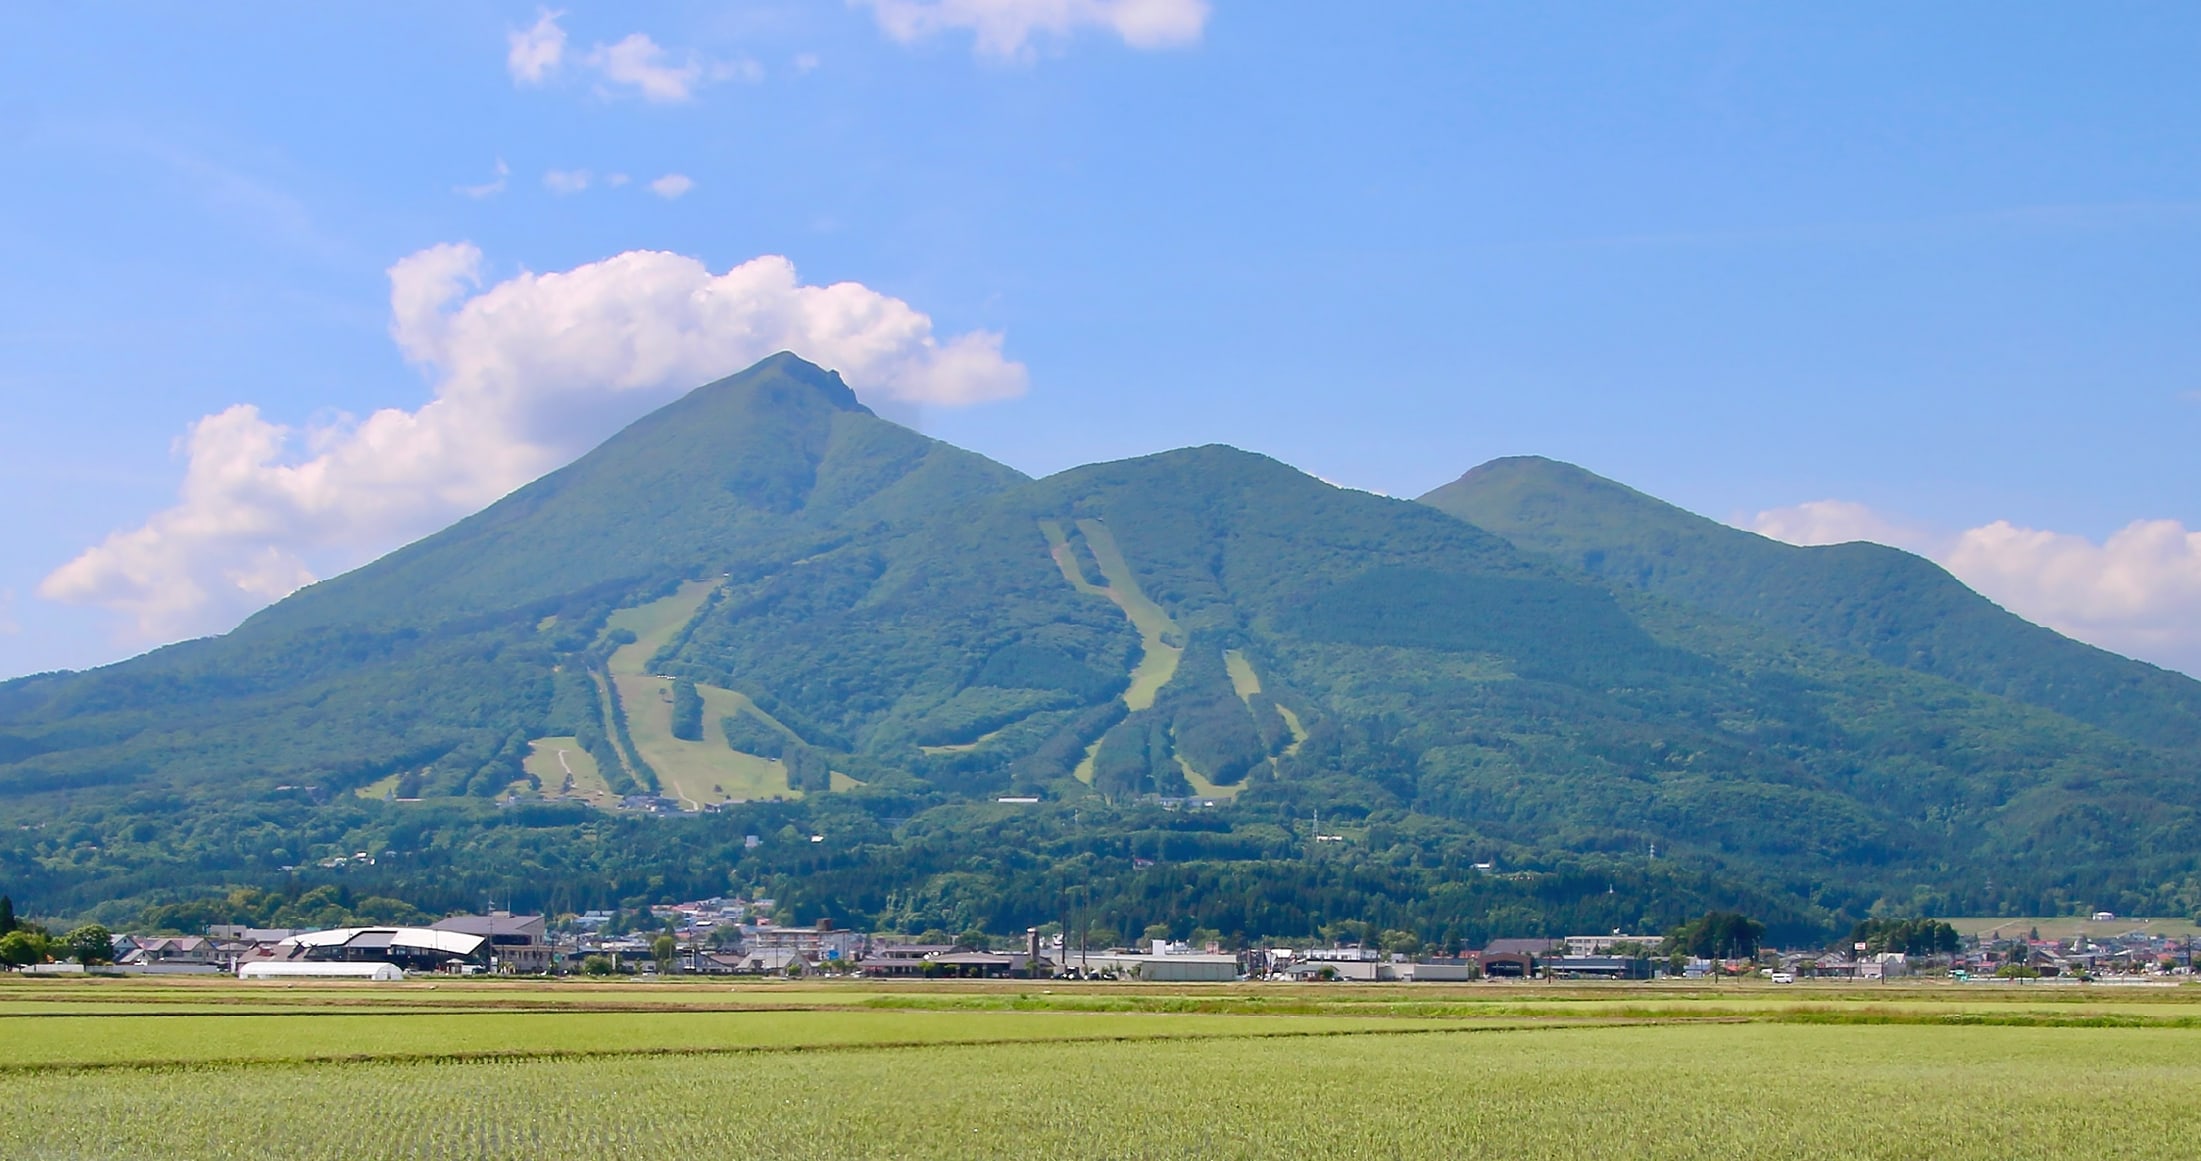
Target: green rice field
101	1068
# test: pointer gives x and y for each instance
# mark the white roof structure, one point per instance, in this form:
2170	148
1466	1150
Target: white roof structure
318	969
456	943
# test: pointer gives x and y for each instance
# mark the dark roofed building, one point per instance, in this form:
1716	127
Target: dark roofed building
517	941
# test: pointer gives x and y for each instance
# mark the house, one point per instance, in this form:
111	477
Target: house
184	953
516	942
766	961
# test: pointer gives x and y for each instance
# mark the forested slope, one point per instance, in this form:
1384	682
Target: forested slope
1505	699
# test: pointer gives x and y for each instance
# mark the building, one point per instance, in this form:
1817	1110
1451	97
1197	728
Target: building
516	942
1177	968
1597	967
175	952
318	969
822	942
1443	969
900	960
408	948
1584	945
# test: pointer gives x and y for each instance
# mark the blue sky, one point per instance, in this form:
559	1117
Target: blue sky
1925	277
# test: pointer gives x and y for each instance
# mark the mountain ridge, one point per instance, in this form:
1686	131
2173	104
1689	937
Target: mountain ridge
883	634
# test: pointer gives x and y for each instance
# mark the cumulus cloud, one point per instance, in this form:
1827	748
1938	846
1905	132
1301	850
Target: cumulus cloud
672	185
1010	29
642	65
537	51
567	181
2137	593
635	65
526	374
1837	522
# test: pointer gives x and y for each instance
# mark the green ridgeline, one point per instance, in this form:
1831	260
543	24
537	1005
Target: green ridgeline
1504	706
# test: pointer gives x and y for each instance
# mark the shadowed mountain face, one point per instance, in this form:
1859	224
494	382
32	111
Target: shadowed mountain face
782	615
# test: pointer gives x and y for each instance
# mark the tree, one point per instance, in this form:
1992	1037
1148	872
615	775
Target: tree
1402	942
974	940
596	965
1717	935
687	716
20	948
1909	936
90	944
7	915
663	949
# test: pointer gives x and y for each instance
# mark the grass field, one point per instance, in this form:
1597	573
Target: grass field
555	761
505	1069
699	773
696	773
2070	926
1161	642
655	624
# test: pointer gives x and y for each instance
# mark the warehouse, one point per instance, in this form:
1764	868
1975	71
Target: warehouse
274	969
413	949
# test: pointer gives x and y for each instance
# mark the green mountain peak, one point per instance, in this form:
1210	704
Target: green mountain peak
777	614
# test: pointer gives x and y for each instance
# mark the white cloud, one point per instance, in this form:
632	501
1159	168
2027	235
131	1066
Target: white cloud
527	374
567	181
615	180
1008	29
634	65
672	185
2137	593
806	62
537	51
639	63
488	189
1836	522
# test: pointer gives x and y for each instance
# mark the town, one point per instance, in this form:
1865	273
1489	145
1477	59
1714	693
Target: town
735	937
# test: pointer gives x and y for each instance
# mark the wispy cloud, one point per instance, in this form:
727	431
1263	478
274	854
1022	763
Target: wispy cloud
672	185
567	181
487	189
1013	29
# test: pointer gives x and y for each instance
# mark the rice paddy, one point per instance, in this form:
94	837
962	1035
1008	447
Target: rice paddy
509	1069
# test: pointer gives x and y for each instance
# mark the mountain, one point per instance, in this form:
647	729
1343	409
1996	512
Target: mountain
1859	598
763	639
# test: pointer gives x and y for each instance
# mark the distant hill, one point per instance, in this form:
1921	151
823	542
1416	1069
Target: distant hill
1536	700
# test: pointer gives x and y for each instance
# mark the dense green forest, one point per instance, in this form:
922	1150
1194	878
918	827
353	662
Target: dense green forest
1536	702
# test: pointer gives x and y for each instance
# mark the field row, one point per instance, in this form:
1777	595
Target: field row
1689	1091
